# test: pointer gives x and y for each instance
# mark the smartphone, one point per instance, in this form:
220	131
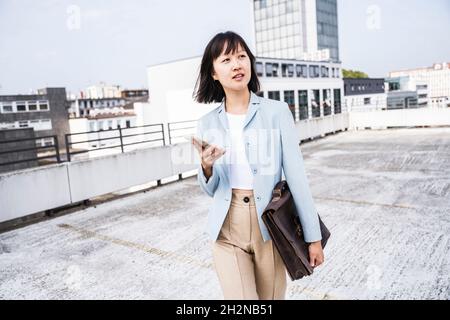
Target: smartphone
199	141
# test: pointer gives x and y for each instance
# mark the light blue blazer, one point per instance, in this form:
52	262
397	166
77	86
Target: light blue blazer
271	144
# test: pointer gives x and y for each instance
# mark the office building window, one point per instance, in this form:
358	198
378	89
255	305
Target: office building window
32	106
48	142
315	104
260	93
394	86
366	101
21	106
298	70
289	98
268	69
325	73
290	70
303	104
314	71
274	95
411	102
272	69
259	69
301	70
45	142
43	105
337	101
326	102
23	124
7	108
287	70
275	67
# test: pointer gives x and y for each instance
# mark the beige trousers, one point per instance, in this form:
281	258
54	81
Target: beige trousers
247	267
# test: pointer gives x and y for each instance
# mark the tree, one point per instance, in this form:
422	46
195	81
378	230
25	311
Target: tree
353	74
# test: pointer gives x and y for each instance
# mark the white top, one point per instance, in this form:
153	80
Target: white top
240	172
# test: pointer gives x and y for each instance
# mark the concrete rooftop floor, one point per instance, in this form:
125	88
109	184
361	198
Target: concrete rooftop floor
385	196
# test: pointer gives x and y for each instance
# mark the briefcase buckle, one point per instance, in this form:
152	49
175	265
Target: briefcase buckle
276	194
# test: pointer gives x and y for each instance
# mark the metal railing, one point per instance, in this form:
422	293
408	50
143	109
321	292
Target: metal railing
54	145
119	134
91	141
173	127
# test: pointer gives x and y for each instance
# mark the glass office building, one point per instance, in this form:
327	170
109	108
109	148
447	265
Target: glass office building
327	27
289	28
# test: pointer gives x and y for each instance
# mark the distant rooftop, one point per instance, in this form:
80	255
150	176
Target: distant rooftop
436	66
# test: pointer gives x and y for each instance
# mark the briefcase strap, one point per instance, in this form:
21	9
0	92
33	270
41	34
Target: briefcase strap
279	189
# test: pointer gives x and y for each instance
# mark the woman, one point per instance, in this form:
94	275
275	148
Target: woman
250	140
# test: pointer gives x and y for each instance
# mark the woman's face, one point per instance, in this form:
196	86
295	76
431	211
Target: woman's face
226	67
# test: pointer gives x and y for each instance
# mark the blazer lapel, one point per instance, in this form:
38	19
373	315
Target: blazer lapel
252	108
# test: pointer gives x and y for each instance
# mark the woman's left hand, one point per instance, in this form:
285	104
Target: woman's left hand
316	256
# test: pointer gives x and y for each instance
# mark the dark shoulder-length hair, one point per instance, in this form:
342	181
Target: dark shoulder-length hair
207	89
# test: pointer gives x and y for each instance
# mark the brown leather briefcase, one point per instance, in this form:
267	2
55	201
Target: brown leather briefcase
283	222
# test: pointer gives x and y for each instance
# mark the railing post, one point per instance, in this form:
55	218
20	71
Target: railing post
66	136
164	136
168	130
121	138
56	144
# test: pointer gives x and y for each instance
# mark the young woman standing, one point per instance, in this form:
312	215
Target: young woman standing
232	171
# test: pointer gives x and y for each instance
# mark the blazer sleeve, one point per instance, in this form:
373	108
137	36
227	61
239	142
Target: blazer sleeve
208	186
294	171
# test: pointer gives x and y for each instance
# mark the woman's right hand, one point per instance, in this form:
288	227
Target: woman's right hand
209	154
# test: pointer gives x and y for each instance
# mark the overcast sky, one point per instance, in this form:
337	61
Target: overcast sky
75	44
